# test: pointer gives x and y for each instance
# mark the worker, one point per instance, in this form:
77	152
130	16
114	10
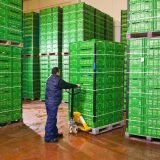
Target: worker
53	98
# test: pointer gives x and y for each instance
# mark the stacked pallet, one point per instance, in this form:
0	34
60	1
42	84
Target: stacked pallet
78	25
31	33
50	44
144	111
143	15
143	70
30	58
103	26
98	67
10	61
11	20
124	27
82	22
109	28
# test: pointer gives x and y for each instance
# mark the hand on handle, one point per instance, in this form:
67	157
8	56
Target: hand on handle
78	85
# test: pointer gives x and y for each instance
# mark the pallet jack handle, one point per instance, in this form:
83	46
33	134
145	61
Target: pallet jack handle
72	102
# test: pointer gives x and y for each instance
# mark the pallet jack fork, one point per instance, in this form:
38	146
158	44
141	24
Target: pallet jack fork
77	121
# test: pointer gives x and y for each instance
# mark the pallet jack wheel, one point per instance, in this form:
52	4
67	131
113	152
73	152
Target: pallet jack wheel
73	129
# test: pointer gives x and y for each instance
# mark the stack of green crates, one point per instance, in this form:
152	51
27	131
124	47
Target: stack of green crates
50	44
98	67
103	26
47	62
30	77
11	20
109	28
51	30
100	22
78	24
10	61
82	22
124	27
144	84
31	33
30	57
144	15
65	74
10	84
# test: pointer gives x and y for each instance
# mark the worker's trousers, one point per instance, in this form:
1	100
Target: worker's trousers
51	129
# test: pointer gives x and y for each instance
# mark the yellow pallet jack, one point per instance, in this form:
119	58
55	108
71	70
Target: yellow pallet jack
77	121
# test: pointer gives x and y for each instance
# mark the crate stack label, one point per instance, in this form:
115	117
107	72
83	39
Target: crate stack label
30	57
143	70
50	44
98	67
10	61
124	27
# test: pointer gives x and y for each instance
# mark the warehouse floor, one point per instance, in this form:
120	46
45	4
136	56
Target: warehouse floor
25	142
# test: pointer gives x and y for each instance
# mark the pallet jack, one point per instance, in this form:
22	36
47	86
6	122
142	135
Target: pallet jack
77	121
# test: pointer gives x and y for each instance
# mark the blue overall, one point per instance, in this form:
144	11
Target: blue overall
53	99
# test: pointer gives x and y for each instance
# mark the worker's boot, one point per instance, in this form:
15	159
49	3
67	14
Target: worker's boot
52	140
60	135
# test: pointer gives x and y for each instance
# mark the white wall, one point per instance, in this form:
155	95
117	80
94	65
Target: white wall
36	5
111	7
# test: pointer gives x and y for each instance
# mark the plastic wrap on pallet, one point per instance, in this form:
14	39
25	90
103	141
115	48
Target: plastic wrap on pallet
10	84
98	67
143	87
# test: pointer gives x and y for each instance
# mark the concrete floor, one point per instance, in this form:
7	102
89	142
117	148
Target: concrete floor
25	141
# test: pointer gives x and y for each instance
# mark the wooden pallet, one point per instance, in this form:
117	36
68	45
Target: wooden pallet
65	54
30	55
65	101
10	43
9	123
18	44
107	128
142	138
4	42
42	100
149	34
49	54
30	99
